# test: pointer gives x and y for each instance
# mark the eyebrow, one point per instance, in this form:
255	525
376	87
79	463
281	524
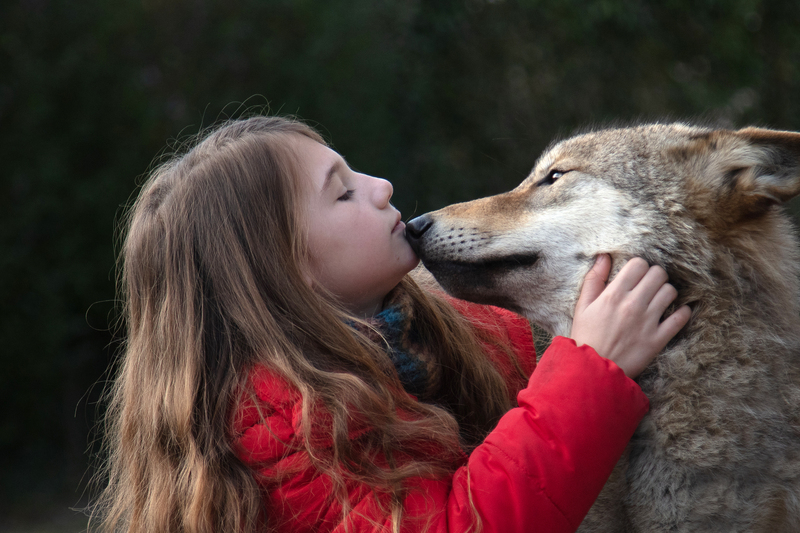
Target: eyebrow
329	176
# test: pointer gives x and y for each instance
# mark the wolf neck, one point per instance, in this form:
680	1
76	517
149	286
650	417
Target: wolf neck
745	299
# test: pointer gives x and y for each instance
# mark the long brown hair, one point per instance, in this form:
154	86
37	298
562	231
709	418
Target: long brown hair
213	282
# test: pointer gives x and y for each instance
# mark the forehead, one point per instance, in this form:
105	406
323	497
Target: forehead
612	148
310	152
315	161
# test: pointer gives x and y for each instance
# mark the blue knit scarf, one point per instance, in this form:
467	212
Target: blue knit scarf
417	369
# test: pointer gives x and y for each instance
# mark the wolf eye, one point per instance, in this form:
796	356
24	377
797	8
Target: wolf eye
551	177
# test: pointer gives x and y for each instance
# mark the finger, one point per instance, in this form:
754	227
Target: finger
595	281
665	295
672	325
647	288
631	274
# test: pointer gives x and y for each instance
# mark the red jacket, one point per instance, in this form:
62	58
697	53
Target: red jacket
539	470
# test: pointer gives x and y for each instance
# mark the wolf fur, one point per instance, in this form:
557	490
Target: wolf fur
720	449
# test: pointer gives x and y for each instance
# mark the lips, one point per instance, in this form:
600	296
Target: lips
399	225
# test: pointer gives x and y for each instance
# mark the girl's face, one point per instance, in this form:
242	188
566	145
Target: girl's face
356	239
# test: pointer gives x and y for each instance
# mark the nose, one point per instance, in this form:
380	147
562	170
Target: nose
383	192
416	228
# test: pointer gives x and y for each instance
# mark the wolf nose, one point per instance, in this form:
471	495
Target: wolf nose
416	228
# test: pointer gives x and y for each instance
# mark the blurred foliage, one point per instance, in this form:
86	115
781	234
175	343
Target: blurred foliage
450	100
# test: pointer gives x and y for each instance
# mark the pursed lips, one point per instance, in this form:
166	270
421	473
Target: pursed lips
398	224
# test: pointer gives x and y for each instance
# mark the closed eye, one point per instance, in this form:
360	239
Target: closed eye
346	196
551	177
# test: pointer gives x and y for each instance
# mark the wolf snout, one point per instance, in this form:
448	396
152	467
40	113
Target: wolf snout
415	230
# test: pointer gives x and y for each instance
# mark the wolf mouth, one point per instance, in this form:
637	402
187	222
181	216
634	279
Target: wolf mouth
480	281
487	266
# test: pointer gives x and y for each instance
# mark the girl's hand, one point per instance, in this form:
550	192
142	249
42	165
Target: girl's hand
621	320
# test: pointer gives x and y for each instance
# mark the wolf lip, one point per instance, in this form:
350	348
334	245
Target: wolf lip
499	264
479	281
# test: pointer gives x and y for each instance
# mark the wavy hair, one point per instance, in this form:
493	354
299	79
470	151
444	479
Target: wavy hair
213	280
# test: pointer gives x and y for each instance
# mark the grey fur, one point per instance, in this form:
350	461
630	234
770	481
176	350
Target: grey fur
720	449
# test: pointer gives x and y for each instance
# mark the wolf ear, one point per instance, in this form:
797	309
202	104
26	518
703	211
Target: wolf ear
766	170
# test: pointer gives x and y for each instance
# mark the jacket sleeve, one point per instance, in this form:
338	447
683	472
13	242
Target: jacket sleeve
539	470
547	460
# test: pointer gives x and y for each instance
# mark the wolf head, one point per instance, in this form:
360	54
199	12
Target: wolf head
681	197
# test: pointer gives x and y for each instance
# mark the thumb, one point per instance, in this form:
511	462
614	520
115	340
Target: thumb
594	282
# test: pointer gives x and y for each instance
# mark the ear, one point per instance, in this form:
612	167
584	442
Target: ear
766	169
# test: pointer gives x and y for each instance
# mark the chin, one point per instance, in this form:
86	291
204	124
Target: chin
408	258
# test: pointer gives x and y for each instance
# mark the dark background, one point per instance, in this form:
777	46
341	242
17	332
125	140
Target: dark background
450	100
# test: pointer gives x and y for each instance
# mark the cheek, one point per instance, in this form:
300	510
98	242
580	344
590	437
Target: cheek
365	231
324	249
317	246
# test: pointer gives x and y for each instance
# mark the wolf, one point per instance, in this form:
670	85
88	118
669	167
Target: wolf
720	449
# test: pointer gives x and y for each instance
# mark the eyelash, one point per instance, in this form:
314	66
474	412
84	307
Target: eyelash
346	196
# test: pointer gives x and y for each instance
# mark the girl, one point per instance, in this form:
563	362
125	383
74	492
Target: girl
283	372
